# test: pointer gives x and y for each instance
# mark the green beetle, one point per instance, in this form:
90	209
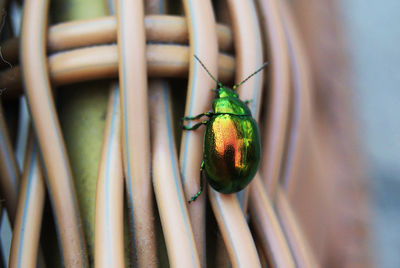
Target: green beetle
231	146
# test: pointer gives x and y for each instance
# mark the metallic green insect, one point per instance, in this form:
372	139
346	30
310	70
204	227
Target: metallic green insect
231	146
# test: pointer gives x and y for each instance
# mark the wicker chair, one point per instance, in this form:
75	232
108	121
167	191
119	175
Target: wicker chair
103	181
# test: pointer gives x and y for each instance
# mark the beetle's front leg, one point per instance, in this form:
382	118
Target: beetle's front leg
201	184
209	114
195	126
247	102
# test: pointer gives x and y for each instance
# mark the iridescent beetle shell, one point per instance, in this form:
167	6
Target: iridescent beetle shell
231	147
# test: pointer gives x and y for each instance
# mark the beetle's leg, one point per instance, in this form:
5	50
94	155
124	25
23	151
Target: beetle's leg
247	102
197	116
195	126
201	184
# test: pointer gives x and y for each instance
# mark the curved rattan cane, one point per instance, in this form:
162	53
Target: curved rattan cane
57	169
277	98
135	128
203	44
171	202
26	231
109	236
9	173
98	62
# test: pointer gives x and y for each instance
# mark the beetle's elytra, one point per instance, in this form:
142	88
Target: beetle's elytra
231	146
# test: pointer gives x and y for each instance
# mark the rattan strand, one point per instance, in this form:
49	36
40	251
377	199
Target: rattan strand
101	62
160	29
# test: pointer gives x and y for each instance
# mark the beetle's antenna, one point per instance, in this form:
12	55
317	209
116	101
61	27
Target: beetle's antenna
259	69
202	64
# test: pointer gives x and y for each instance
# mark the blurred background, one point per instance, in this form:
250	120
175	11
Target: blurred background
372	30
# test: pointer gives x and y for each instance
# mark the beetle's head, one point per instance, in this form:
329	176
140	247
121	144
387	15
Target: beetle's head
223	92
